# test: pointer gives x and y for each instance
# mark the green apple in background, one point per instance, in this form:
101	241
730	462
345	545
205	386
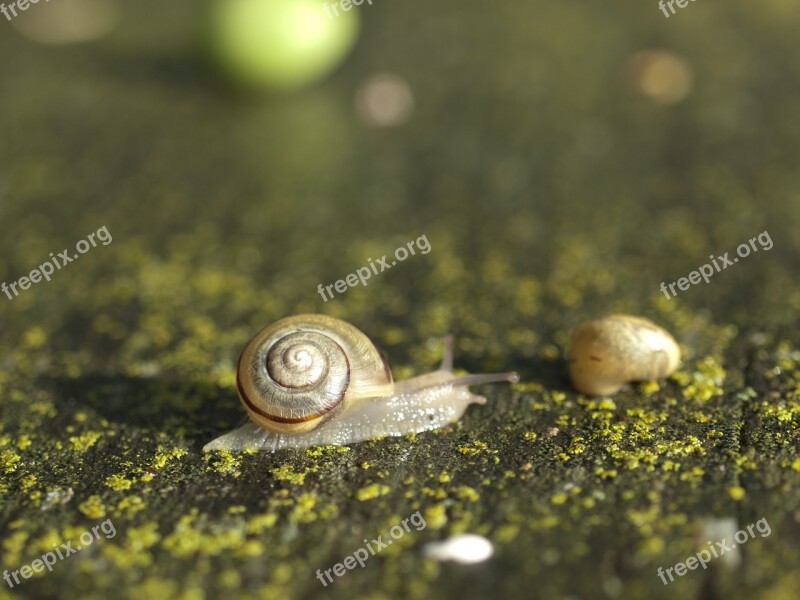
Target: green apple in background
280	44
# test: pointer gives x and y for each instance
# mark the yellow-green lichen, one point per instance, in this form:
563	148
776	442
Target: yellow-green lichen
289	474
163	455
436	516
223	462
9	461
130	505
704	382
317	451
84	441
260	523
736	492
372	491
13	545
93	507
467	493
475	448
118	482
303	510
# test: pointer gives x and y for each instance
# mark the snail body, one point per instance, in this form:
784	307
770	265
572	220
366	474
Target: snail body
315	380
607	353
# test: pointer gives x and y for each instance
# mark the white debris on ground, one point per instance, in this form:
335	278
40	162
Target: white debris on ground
466	549
723	530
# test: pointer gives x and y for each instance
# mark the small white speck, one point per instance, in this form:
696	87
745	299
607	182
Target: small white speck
467	548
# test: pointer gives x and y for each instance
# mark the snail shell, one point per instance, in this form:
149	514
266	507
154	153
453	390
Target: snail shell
313	380
607	353
302	371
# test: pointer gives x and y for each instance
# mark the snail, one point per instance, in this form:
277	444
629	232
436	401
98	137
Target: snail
607	353
315	380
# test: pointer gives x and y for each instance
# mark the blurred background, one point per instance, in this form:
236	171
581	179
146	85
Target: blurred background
562	159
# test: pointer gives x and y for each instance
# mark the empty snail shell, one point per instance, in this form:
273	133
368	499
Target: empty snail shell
607	353
314	380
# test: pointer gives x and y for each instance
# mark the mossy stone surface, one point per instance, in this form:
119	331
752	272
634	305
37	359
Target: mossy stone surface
550	194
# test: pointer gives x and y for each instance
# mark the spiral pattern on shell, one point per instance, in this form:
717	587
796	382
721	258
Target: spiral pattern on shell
297	362
298	372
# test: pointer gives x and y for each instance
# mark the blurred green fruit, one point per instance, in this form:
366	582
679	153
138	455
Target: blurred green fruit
279	44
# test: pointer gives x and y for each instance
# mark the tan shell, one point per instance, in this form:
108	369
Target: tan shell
606	353
299	372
